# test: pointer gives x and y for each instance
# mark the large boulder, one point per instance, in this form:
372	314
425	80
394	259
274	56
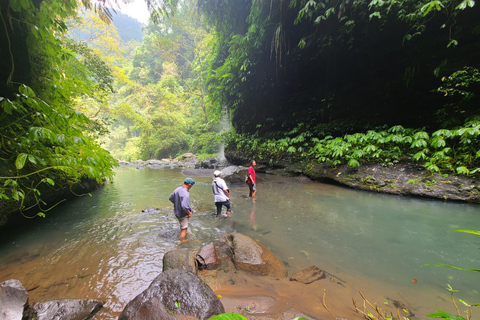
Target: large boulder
152	310
209	163
13	299
71	309
181	258
181	292
234	174
253	257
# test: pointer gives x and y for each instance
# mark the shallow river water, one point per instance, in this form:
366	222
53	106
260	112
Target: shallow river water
104	247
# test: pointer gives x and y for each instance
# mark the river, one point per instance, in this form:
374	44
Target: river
104	247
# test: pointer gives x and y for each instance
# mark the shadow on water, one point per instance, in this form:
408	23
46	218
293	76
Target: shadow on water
104	247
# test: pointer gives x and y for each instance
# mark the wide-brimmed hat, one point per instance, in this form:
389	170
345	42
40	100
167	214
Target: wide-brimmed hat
217	173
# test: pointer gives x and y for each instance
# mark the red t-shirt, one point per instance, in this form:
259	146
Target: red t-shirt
251	172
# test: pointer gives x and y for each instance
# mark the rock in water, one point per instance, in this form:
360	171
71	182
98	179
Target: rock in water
308	275
181	258
181	292
253	257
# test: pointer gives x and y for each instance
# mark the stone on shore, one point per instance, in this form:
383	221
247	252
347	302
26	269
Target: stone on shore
71	309
13	299
207	257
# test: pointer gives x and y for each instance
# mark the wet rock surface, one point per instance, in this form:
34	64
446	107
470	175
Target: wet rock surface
152	309
13	299
182	258
14	305
253	257
207	257
401	179
72	309
181	292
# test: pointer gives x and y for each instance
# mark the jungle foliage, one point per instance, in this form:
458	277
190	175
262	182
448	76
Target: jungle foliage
163	110
367	63
45	142
339	81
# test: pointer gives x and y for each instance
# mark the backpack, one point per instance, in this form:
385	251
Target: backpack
246	178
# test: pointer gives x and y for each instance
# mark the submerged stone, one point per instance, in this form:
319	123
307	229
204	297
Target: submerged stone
308	275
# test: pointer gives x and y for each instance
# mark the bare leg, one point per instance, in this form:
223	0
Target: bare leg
183	235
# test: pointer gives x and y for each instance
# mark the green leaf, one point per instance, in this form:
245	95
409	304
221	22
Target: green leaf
462	170
452	43
445	315
49	181
454	267
228	316
465	3
20	162
469	231
177	304
353	163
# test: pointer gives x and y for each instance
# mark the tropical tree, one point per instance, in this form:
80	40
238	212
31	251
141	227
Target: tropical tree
45	143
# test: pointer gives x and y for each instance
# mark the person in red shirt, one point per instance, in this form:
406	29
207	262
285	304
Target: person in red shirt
251	180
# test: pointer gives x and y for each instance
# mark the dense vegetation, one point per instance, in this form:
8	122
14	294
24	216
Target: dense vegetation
357	64
74	86
350	82
163	109
45	142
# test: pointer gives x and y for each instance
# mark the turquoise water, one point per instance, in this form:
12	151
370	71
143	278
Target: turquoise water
104	247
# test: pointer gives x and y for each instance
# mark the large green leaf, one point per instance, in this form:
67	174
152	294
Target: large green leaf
228	316
445	315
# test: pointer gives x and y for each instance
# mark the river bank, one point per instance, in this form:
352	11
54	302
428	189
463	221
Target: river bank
406	179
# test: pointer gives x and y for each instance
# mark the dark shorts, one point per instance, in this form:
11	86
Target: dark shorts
224	203
252	186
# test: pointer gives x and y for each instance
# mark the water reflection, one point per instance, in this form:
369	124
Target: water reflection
105	247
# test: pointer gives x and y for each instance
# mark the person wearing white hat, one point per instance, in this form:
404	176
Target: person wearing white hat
221	192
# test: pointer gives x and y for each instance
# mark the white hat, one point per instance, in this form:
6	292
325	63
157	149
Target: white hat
217	173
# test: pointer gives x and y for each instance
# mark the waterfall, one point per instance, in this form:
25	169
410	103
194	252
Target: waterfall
225	126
